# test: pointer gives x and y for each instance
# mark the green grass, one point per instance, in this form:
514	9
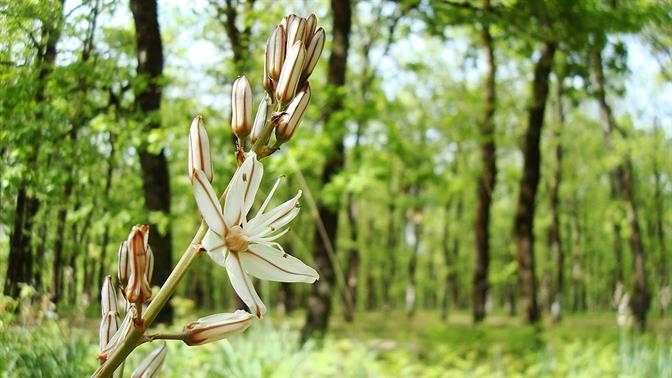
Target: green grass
377	344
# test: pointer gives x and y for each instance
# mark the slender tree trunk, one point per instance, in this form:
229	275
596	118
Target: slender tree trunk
524	220
390	266
156	177
319	301
624	177
20	260
659	206
449	261
353	263
415	222
554	237
486	181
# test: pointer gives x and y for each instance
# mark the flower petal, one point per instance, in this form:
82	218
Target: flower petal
275	219
215	247
244	186
207	202
243	285
270	264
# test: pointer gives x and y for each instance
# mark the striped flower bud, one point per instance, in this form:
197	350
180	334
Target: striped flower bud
313	53
216	327
311	25
152	363
275	52
199	149
149	272
124	267
123	330
241	107
108	297
138	289
296	31
291	73
260	120
108	327
288	124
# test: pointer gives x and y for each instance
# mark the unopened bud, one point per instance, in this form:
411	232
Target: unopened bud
291	73
216	327
269	83
241	107
124	267
152	363
149	272
288	123
260	120
275	52
296	31
123	330
108	327
313	53
138	289
108	297
199	149
311	25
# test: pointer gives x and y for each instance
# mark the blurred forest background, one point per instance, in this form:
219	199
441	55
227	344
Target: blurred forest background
487	184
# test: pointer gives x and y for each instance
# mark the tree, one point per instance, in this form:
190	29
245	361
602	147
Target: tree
319	300
154	166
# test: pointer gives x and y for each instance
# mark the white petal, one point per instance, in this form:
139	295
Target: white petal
207	202
244	186
270	264
215	247
274	219
243	285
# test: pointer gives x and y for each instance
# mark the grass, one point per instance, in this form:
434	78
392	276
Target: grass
377	344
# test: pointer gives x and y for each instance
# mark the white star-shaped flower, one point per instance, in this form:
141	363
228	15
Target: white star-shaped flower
245	246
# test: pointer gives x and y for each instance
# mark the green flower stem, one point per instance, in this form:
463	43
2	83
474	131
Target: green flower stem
131	341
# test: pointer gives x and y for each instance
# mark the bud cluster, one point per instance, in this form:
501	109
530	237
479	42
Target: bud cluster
292	52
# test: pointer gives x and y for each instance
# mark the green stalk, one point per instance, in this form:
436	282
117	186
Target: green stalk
131	342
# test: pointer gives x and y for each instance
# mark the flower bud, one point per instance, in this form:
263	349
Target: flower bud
149	272
241	107
291	73
311	25
138	289
296	31
275	52
124	267
123	330
294	112
152	363
260	120
199	149
216	327
269	83
108	297
313	53
108	327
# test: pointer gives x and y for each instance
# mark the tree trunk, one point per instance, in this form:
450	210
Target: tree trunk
624	178
390	262
415	222
486	181
156	179
554	238
319	301
524	220
20	259
353	264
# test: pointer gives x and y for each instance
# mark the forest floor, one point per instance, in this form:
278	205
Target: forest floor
377	344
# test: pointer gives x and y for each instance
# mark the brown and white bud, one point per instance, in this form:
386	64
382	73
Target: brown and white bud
124	264
285	21
296	31
108	327
216	327
260	120
199	149
138	289
108	297
149	272
291	73
313	53
123	330
311	25
152	363
275	52
294	112
241	107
